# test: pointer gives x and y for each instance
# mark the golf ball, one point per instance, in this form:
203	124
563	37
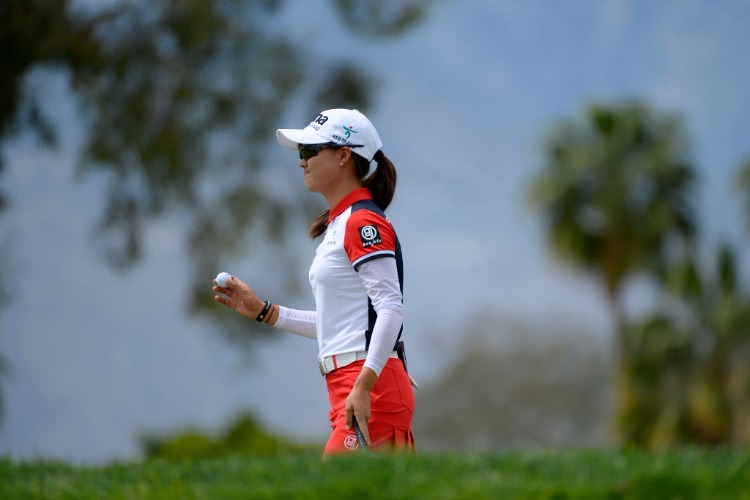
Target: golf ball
222	278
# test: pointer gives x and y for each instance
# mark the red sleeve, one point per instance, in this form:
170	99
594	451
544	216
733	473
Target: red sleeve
368	236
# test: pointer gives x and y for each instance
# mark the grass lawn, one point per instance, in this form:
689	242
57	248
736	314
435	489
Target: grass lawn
684	474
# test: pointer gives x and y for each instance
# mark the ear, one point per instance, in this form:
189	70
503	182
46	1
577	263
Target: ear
344	155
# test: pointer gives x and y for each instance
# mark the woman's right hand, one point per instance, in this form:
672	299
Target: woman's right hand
239	296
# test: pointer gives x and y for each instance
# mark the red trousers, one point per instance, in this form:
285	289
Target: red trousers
392	407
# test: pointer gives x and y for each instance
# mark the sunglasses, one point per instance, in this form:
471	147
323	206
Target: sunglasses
307	151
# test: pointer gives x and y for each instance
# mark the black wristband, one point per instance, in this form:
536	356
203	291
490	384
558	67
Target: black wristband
263	313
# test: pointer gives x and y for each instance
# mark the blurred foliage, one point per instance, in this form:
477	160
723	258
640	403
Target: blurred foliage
617	198
243	436
382	17
614	192
178	100
688	380
518	386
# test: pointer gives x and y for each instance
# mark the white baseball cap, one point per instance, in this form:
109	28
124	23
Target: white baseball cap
347	127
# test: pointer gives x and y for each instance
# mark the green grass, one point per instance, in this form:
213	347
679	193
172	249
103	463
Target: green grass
681	474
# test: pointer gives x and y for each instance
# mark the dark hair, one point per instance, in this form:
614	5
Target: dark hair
381	183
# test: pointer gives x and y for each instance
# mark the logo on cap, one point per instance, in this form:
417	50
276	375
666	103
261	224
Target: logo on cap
349	131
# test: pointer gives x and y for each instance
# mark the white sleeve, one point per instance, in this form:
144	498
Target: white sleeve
380	277
296	321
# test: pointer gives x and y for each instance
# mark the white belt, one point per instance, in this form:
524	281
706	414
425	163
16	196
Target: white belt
330	363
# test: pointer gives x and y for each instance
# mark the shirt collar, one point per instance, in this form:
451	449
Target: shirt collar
349	200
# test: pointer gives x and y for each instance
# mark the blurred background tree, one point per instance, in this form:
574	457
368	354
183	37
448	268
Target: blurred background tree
616	193
687	374
517	384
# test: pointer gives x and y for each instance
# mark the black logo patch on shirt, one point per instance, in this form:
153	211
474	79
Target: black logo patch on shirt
369	236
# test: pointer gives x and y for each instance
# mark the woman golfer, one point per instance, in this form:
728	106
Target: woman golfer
356	278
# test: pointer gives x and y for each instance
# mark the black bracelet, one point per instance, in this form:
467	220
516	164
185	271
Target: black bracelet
270	313
263	313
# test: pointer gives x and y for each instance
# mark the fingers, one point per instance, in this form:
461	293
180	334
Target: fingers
362	420
227	292
222	299
364	428
358	407
232	284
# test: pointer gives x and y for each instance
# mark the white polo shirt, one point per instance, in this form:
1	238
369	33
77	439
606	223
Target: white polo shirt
357	232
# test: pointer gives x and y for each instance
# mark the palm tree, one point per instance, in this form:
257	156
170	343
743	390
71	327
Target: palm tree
688	359
615	194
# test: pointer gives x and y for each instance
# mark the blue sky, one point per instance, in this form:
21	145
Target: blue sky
97	357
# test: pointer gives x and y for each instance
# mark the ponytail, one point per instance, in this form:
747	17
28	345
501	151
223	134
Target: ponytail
381	184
